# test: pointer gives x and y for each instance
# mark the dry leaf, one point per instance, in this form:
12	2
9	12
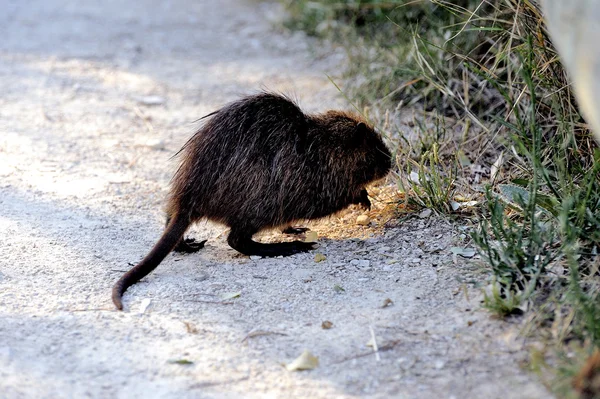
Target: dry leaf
326	325
306	361
319	257
464	252
387	302
311	236
144	305
496	167
230	295
190	328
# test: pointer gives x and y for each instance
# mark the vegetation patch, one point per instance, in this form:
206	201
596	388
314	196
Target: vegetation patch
498	128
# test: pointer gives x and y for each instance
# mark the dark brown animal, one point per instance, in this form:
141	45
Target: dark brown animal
259	163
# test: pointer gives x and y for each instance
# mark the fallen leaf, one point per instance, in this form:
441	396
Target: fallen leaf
144	305
319	257
464	252
182	362
463	158
306	361
338	288
230	295
311	236
190	328
326	325
387	302
495	168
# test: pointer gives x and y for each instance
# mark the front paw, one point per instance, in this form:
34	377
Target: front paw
363	199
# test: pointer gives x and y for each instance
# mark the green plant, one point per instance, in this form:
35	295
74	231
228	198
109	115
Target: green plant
488	66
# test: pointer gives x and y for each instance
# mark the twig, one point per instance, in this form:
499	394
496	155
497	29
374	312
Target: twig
374	340
217	302
213	383
382	348
260	333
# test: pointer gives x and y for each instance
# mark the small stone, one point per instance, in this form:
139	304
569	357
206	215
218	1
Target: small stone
155	144
425	213
364	263
326	325
255	257
363	220
150	100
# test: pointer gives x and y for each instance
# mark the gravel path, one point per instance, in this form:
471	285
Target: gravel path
95	97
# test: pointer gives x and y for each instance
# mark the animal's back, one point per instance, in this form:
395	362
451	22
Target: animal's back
230	163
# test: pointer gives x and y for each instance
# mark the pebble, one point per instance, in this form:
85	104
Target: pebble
425	213
150	100
255	257
155	144
363	220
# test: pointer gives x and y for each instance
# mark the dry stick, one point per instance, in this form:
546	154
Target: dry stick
260	333
217	302
374	340
382	348
144	118
207	384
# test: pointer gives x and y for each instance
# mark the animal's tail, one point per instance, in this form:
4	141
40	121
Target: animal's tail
171	236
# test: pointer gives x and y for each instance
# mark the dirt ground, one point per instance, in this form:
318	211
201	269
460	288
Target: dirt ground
95	98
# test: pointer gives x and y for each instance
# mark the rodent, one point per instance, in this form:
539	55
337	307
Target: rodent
259	163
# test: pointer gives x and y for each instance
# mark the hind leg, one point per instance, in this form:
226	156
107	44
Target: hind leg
187	245
241	241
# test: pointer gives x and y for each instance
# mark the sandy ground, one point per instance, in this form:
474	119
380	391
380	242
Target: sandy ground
84	169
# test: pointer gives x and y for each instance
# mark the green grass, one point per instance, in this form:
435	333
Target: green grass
489	87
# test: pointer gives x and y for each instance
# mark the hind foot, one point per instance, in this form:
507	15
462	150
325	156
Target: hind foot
295	230
243	243
189	245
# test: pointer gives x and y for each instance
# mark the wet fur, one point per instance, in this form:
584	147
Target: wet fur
259	163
